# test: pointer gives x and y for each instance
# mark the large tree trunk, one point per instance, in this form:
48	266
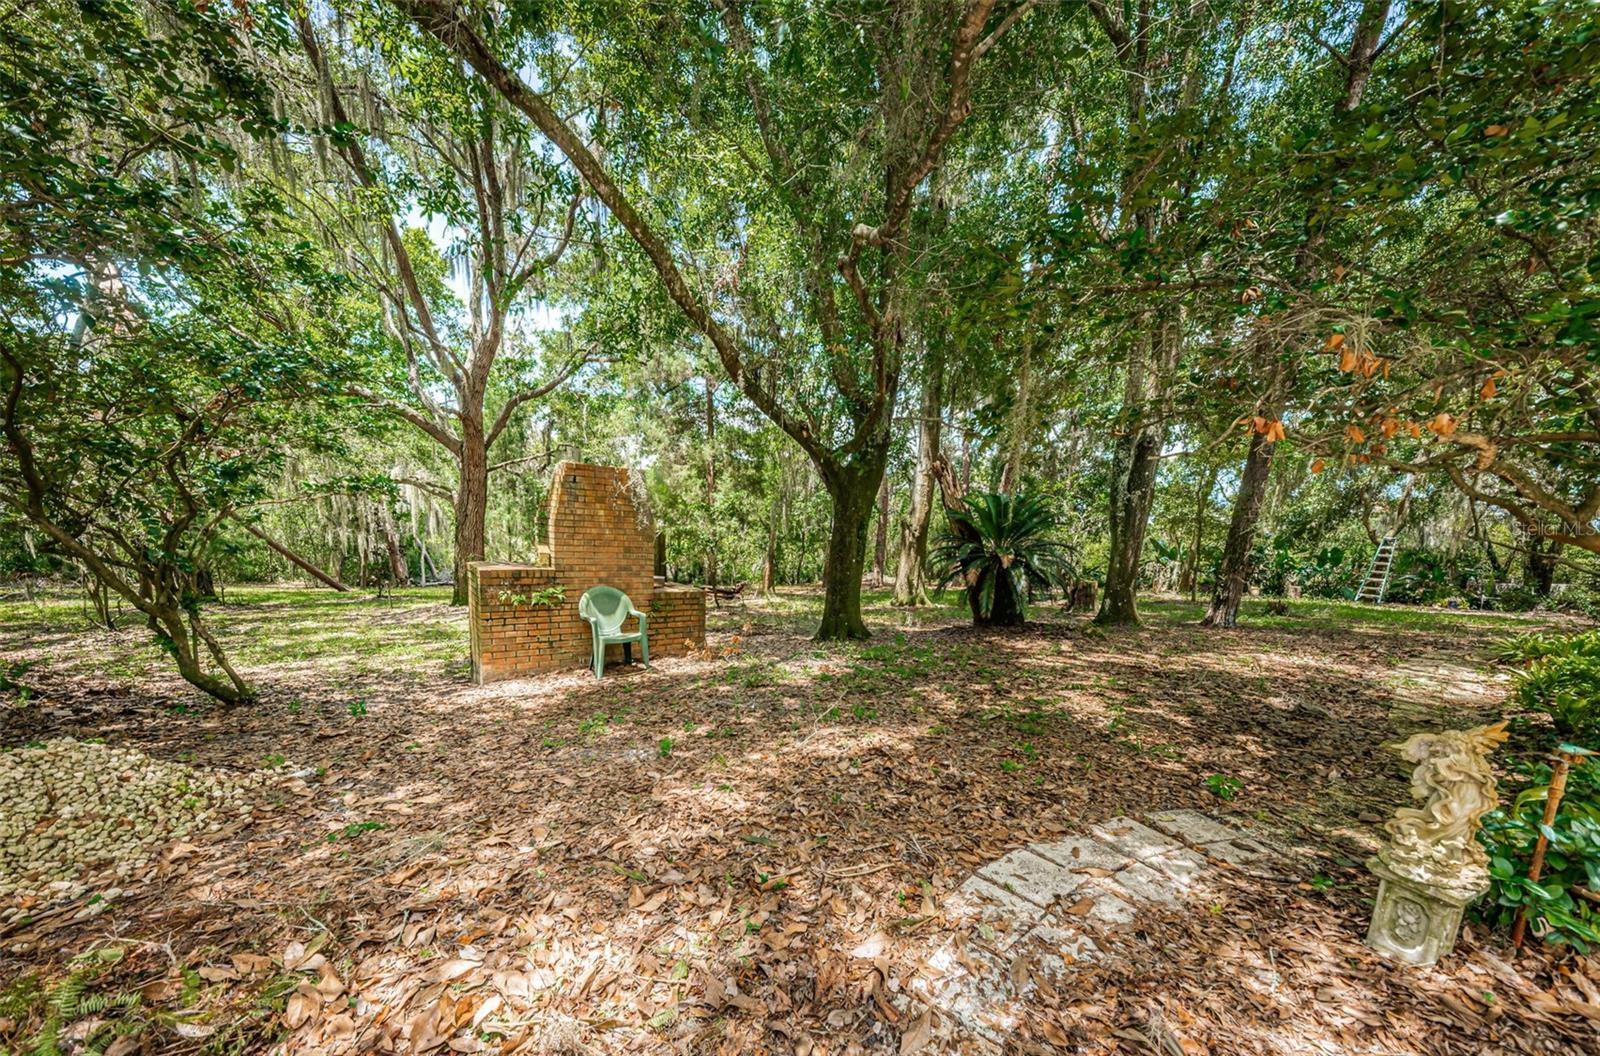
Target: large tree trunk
1540	563
169	623
1234	575
1135	460
852	488
472	497
1133	490
769	558
1006	610
910	571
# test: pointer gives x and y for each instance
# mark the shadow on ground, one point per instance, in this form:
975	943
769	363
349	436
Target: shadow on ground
749	850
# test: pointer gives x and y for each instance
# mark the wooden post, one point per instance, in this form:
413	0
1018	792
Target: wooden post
1552	803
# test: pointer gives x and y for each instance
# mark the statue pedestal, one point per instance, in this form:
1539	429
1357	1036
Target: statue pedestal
1418	921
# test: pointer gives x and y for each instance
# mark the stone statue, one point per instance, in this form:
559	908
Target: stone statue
1438	840
1433	867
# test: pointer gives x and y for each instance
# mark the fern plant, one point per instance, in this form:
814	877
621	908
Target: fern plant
999	547
73	999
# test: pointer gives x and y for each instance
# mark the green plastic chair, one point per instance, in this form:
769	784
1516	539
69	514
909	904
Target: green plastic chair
606	608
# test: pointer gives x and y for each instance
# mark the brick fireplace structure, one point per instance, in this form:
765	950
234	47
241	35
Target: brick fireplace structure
599	535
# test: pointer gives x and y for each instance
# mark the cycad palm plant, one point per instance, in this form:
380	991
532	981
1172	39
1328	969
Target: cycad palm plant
998	546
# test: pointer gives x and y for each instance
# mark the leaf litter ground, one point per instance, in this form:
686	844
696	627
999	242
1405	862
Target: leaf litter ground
752	850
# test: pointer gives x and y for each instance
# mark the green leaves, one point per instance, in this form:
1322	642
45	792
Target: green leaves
999	546
170	335
1572	859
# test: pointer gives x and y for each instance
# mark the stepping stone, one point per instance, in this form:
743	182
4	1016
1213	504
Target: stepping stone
1081	852
1132	838
1239	851
1193	826
1181	867
978	997
1039	880
980	900
1108	908
1062	945
1141	883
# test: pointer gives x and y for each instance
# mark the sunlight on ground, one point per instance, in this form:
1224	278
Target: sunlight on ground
669	848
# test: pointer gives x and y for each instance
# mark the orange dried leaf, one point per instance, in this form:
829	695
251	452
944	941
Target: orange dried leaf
1318	466
1496	130
1354	434
1348	360
1443	424
1488	390
1333	342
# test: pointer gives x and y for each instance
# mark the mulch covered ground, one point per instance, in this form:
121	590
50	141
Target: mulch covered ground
748	851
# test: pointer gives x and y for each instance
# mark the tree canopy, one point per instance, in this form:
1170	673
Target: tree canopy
1236	291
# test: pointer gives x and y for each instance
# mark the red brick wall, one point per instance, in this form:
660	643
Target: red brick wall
677	620
598	537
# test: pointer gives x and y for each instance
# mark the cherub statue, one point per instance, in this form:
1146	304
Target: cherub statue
1437	841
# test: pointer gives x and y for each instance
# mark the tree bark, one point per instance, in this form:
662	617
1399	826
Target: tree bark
1189	580
880	548
472	496
169	623
711	482
910	572
966	460
1006	610
1134	465
852	489
1135	460
769	558
1539	564
398	572
1234	576
295	559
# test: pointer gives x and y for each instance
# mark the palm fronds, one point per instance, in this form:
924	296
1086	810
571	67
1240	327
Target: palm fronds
999	547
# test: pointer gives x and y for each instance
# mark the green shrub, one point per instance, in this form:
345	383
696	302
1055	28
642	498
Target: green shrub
1420	576
1571	860
1580	599
998	547
1567	688
1560	677
1516	599
1525	647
